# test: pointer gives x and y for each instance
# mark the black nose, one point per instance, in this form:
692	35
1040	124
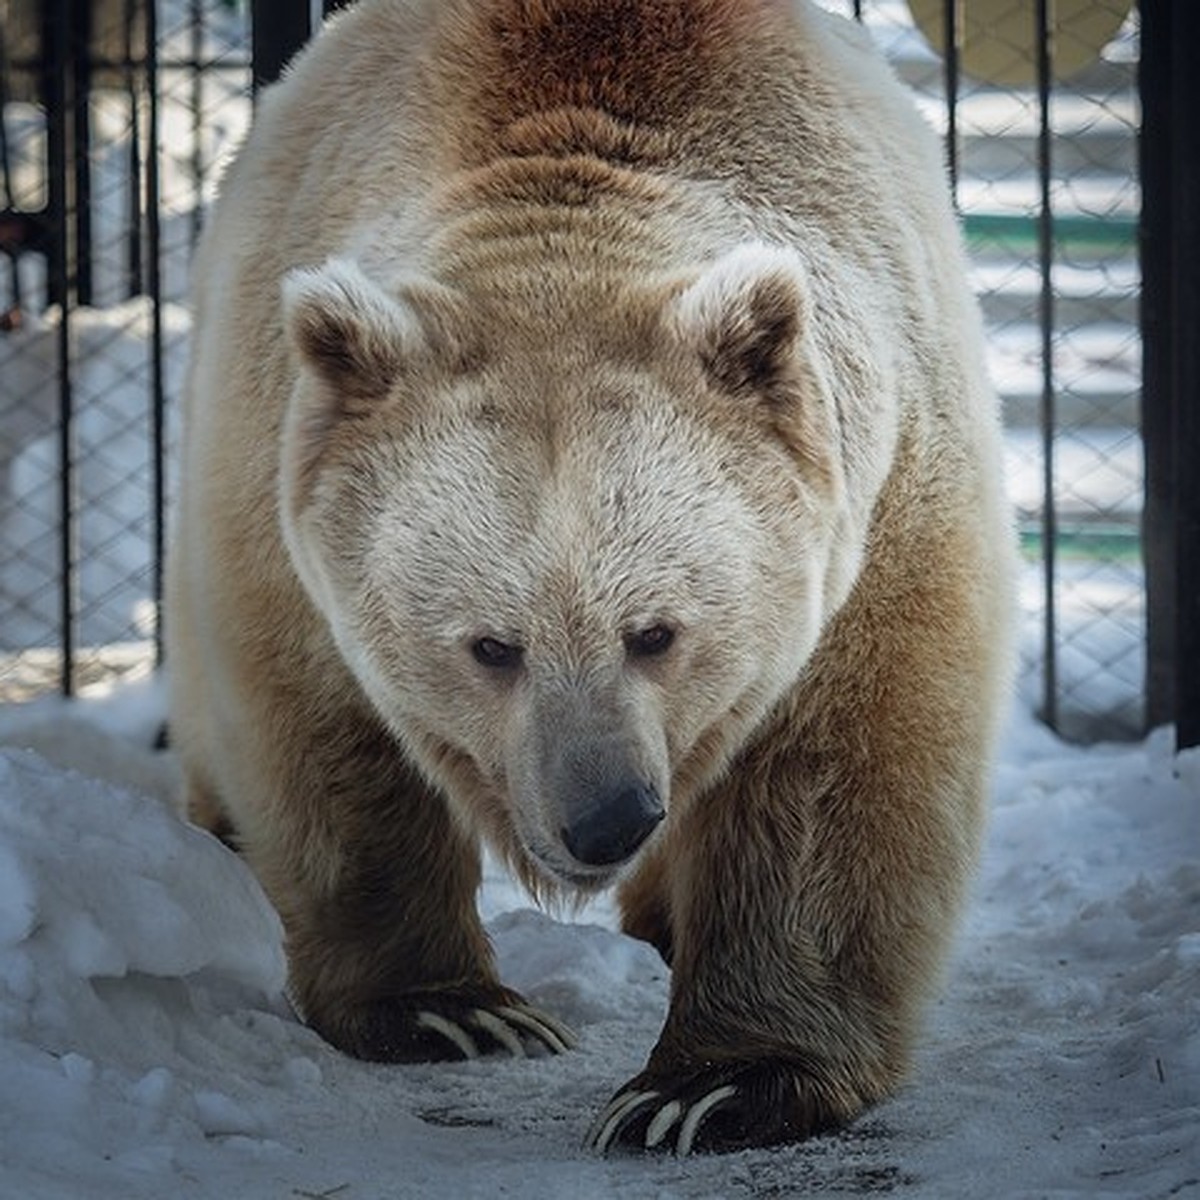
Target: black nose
610	831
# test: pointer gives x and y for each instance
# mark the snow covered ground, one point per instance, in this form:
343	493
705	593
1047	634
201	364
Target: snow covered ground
146	1051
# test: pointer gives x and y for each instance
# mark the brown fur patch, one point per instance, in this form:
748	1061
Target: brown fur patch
589	71
563	132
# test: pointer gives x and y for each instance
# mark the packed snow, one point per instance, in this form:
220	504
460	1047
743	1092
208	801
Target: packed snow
147	1050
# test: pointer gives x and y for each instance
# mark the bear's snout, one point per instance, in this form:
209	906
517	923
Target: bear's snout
611	830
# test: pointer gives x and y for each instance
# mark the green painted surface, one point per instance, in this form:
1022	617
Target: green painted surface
1020	233
1106	544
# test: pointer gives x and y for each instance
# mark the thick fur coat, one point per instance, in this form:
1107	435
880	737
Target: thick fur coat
587	449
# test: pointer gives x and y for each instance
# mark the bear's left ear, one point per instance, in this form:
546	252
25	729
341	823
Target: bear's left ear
348	329
745	316
355	341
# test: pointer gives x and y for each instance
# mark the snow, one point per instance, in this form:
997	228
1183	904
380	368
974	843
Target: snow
147	1050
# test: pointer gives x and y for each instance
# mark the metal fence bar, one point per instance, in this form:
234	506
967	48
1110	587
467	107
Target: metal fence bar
78	37
1049	418
158	387
6	164
1158	435
278	31
1187	426
1170	244
60	80
953	19
136	268
197	82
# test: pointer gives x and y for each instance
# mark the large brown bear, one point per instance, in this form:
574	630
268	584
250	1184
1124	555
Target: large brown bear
588	450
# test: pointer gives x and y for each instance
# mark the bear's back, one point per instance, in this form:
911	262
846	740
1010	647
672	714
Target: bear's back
784	109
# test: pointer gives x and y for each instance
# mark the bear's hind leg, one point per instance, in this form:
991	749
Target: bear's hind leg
202	807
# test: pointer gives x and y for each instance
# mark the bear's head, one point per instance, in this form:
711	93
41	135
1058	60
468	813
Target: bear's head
573	569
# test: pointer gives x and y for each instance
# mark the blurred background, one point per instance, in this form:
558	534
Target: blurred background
1062	126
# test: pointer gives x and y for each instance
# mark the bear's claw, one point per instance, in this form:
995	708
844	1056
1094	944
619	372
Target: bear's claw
628	1111
727	1107
437	1026
504	1027
553	1034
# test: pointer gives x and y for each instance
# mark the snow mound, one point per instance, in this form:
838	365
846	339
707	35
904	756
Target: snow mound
123	931
104	884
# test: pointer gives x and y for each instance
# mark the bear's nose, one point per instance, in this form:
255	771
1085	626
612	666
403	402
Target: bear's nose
611	830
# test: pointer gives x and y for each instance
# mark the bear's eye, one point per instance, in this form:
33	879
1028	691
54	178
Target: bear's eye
491	652
645	643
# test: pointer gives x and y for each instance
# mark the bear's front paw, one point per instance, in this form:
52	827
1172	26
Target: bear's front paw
723	1106
436	1025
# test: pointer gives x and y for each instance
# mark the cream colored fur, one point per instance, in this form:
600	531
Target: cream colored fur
629	340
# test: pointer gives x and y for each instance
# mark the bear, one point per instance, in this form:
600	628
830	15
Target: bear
588	452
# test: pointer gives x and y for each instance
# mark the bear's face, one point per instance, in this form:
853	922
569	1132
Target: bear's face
571	588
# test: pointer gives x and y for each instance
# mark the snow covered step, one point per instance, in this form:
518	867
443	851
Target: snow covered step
1105	200
998	157
1106	291
1097	374
1098	474
1073	409
1016	116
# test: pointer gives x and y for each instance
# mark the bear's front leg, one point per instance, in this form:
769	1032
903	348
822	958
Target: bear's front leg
807	921
388	979
376	885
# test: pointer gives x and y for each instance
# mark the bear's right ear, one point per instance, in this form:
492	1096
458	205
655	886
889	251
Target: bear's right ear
348	330
745	316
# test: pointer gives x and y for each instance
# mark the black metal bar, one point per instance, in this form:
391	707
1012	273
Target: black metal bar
10	202
953	38
1158	336
1186	304
79	37
1170	246
158	399
54	90
197	101
58	86
277	31
1043	38
134	267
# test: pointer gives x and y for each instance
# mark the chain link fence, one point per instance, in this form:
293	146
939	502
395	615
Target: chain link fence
1042	145
98	231
1041	122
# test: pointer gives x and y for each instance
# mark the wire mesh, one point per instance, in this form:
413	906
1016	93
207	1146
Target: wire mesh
89	361
1045	178
1044	172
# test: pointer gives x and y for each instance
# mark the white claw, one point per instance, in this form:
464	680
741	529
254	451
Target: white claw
610	1120
492	1024
451	1031
661	1125
696	1115
554	1034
